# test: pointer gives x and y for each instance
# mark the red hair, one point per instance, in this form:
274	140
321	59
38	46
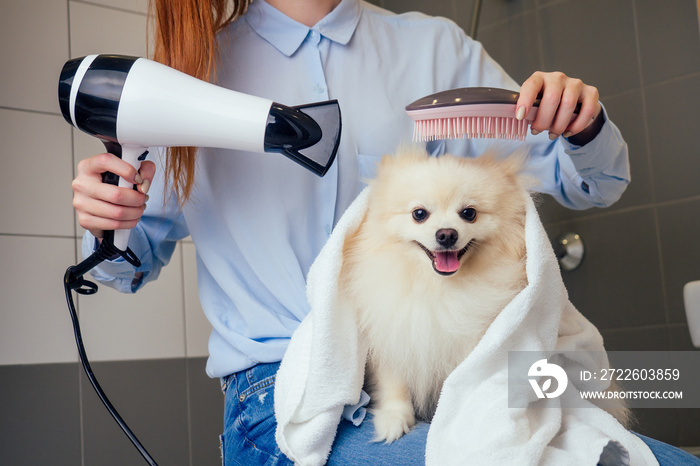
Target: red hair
185	39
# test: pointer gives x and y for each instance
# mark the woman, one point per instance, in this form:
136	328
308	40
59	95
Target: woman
258	221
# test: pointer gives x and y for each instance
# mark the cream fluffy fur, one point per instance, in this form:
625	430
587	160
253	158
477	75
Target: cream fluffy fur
418	315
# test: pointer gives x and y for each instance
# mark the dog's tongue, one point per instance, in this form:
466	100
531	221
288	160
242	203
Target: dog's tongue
446	261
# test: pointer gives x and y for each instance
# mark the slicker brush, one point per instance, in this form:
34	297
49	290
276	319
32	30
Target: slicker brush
470	112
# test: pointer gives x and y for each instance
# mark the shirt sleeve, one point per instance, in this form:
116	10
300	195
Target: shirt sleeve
153	240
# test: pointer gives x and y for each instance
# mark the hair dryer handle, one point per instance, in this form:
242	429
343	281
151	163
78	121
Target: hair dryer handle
133	155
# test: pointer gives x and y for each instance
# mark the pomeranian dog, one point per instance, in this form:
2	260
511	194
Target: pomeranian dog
439	254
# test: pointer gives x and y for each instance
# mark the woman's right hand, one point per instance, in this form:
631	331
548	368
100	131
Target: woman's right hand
101	206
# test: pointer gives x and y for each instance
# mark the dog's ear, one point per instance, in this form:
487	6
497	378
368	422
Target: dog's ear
412	151
385	163
510	165
405	152
513	166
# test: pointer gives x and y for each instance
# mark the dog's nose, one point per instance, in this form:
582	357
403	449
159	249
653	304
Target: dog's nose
446	237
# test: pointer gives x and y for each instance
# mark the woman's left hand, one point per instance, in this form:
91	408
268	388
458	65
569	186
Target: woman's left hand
559	96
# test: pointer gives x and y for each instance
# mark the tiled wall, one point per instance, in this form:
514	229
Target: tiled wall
149	348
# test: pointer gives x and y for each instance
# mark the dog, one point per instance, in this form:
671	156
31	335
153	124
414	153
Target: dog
439	254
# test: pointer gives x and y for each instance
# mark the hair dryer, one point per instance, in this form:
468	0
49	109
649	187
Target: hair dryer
132	103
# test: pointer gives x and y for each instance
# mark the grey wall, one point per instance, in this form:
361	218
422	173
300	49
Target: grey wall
149	349
644	57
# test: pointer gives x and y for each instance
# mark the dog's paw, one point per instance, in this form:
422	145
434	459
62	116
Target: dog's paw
392	420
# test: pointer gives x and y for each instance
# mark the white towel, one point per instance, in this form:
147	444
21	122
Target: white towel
323	368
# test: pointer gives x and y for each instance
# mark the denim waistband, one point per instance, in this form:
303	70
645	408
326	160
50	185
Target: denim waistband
247	379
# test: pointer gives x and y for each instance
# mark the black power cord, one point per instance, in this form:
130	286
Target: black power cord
73	280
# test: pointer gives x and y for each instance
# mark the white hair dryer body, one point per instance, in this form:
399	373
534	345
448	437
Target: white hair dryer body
132	103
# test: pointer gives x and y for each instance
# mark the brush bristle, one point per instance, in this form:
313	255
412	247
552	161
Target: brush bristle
470	127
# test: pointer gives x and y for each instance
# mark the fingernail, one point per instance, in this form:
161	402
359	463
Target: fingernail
553	136
534	132
147	198
145	186
520	113
138	178
567	134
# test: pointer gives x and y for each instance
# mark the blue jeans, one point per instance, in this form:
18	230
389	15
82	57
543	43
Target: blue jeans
249	431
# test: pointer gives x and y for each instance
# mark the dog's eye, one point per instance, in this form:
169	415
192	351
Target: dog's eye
420	215
468	214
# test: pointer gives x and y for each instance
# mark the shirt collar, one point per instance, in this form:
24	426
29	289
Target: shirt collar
287	35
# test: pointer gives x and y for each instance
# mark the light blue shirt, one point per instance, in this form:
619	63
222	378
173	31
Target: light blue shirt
259	220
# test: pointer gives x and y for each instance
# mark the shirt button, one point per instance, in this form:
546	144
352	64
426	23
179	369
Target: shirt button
315	37
319	89
328	229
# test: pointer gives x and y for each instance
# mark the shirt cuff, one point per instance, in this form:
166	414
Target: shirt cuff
356	413
590	132
116	273
599	153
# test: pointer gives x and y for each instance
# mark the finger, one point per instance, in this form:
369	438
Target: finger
98	225
549	104
567	105
94	188
590	108
98	164
98	214
528	94
147	172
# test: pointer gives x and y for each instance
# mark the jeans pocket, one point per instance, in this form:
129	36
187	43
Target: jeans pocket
249	419
249	434
257	414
